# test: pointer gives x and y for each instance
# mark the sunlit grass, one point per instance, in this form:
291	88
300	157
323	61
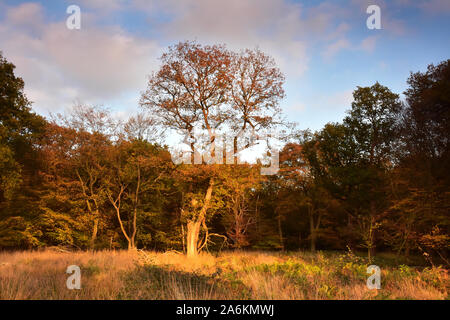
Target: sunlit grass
229	275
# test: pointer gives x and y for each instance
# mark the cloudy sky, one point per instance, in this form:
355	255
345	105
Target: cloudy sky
323	47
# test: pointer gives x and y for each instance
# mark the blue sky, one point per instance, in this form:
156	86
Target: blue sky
323	47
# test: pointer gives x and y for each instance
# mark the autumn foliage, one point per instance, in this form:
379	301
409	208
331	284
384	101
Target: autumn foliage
377	181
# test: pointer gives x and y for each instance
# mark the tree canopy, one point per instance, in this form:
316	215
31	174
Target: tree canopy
377	180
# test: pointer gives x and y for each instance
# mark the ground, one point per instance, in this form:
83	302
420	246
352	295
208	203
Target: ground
228	275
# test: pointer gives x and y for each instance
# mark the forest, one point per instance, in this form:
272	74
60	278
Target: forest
378	181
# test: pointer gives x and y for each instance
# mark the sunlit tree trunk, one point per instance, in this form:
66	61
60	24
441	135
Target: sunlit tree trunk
314	225
193	232
193	226
94	233
93	209
117	206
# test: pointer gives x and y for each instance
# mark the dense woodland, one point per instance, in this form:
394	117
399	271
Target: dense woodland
377	181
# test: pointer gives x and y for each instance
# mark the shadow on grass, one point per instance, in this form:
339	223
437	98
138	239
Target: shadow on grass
151	282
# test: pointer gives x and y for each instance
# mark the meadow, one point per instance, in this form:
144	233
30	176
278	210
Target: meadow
229	275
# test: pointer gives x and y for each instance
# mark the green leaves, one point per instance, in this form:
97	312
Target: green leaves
372	123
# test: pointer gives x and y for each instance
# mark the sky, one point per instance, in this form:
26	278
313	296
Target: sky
323	47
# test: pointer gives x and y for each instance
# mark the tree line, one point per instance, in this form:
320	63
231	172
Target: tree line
378	180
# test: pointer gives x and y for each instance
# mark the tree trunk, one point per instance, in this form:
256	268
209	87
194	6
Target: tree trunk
312	230
299	241
235	150
132	245
193	232
407	250
116	204
94	233
193	226
280	232
371	236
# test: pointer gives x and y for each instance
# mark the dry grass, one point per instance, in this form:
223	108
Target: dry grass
230	275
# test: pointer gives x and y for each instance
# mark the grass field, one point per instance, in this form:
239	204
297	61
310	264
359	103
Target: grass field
229	275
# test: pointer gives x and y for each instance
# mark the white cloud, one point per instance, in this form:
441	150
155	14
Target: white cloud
92	65
296	107
274	25
104	64
436	6
103	6
369	43
27	15
335	47
338	101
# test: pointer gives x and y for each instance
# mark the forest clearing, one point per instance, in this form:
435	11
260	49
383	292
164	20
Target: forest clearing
229	275
280	150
